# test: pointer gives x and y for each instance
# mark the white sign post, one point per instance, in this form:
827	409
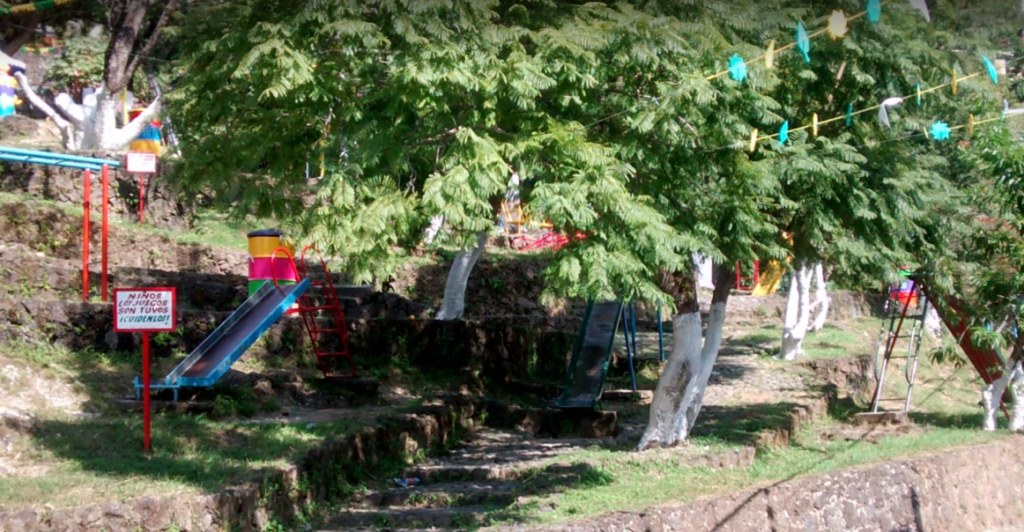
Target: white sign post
145	310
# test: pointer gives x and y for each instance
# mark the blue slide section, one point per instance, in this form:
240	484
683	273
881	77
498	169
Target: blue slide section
212	359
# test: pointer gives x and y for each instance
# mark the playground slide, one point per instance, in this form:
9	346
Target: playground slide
585	376
770	280
211	360
988	363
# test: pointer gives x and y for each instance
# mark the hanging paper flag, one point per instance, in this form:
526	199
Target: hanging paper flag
954	82
874	11
883	113
919	95
803	42
737	68
784	133
769	55
970	124
921	6
849	115
814	124
991	70
753	140
837	27
940	131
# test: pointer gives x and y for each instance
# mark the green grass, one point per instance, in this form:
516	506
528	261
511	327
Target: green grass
90	460
850	338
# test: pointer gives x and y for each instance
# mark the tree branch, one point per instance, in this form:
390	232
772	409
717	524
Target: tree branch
66	131
27	31
154	36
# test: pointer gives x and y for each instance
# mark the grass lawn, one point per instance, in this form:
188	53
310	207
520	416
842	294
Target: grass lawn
81	461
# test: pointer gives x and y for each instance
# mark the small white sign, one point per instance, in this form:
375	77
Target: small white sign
141	163
144	310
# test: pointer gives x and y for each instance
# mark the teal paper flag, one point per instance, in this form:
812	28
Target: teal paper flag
784	133
991	70
737	68
803	42
849	115
874	11
940	131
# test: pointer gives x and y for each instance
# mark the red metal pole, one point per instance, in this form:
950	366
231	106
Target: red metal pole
86	192
142	194
106	202
145	393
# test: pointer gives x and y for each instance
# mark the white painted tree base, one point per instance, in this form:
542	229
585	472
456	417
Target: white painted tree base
797	317
680	391
454	304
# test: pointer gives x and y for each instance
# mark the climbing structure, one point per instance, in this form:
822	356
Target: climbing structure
902	326
323	318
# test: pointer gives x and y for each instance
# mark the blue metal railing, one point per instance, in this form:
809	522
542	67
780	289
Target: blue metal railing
18	155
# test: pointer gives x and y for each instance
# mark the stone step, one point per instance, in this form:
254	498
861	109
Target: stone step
392	519
440	495
455	473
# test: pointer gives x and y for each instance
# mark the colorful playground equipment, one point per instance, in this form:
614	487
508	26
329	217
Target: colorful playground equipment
770	279
150	140
585	375
263	267
318	306
30	7
748	283
909	300
8	87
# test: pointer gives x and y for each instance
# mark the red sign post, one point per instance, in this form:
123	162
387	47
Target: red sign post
145	310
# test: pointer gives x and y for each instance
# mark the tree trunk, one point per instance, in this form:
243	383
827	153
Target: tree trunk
680	391
436	223
821	299
932	322
797	313
28	30
454	304
706	276
991	394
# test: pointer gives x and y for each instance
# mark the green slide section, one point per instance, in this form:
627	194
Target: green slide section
584	378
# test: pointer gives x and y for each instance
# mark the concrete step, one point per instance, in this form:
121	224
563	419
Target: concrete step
440	495
392	519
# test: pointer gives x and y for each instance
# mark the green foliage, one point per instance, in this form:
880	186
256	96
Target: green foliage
79	66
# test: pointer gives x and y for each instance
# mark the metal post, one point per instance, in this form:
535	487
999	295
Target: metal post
106	202
145	393
661	335
142	194
86	192
632	365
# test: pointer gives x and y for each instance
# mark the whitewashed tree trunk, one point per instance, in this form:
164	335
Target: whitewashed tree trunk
680	392
797	316
95	121
454	304
932	322
821	299
705	272
991	395
436	223
1017	387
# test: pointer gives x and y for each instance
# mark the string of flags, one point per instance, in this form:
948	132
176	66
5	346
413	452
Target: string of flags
837	27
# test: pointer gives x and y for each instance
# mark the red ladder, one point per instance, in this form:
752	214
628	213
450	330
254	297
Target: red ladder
320	299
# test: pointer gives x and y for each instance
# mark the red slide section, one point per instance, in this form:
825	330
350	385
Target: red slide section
986	362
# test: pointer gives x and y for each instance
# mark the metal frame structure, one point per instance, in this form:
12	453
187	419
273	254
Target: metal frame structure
311	314
89	164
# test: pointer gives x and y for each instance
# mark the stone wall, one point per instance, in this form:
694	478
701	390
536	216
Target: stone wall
275	495
971	489
502	350
65	185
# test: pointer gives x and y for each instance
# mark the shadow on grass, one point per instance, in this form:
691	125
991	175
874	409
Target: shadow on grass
743	424
187	450
553	479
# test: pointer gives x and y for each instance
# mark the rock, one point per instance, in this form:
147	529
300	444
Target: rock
263	387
